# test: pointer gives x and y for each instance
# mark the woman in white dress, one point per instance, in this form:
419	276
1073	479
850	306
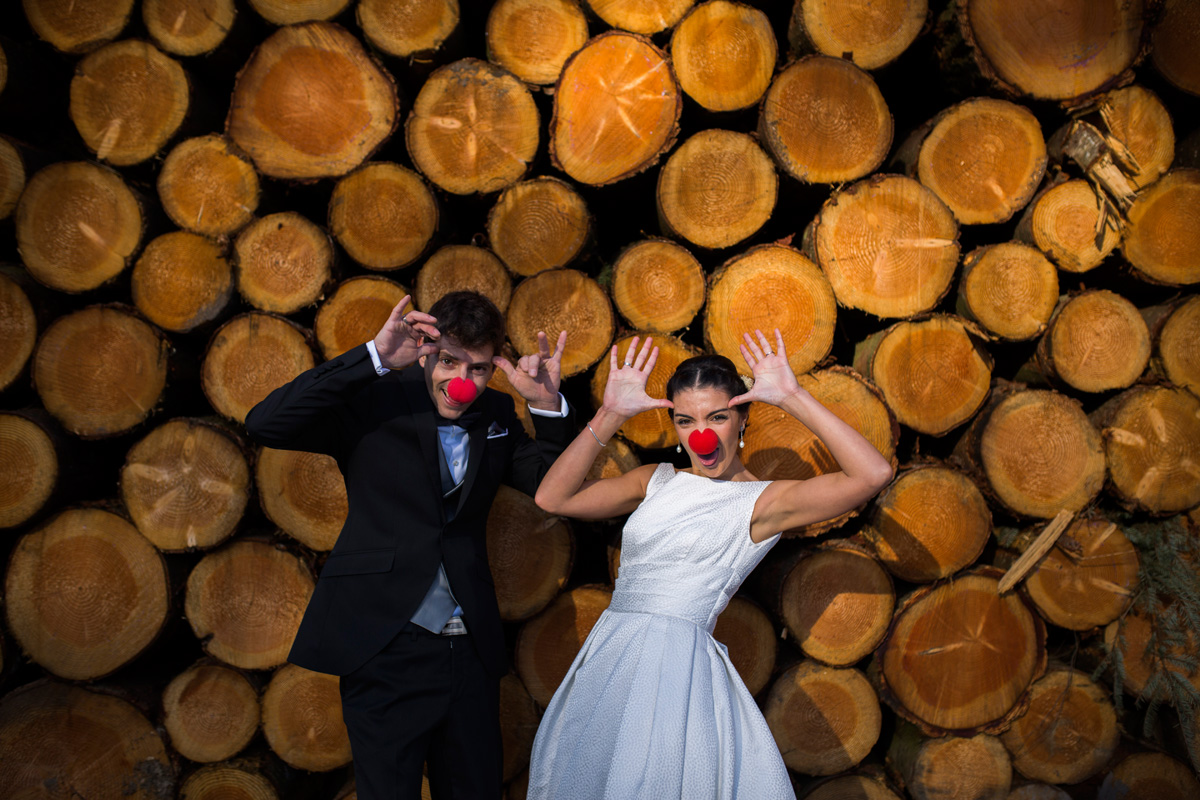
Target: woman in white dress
652	706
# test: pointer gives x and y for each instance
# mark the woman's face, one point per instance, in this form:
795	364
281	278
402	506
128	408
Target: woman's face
707	408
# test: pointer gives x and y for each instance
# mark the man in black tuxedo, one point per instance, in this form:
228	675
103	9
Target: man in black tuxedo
405	608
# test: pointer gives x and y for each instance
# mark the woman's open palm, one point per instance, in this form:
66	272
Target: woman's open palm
625	392
774	380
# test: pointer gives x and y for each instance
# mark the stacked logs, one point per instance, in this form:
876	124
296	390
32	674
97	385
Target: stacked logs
980	249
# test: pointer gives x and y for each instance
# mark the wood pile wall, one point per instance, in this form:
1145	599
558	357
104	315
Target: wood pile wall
974	221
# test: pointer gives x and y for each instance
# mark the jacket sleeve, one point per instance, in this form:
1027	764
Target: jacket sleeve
318	410
532	457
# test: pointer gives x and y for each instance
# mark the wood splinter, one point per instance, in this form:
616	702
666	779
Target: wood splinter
1041	545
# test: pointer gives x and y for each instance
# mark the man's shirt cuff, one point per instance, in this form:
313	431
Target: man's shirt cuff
563	409
380	369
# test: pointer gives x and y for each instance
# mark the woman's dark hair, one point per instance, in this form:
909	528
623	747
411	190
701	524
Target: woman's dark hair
470	319
701	372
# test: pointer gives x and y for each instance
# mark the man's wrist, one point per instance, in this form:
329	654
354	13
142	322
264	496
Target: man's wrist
550	409
373	351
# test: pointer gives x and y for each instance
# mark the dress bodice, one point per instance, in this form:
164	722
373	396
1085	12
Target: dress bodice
687	547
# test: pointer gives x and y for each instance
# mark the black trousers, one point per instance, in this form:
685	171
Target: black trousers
425	698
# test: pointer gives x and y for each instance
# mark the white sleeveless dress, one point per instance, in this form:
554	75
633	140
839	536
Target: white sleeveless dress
652	707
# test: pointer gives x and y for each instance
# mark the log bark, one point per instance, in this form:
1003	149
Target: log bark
31	467
562	300
888	245
1096	341
538	225
244	602
825	121
181	281
311	103
749	635
1035	451
1174	36
302	719
1154	775
12	176
934	373
771	286
616	109
85	594
284	262
530	554
1022	54
78	226
304	494
837	604
871	35
519	717
650	429
1088	579
355	312
1069	732
724	55
1162	241
534	38
983	158
474	128
127	100
717	189
1072	225
930	523
548	643
779	447
1175	353
211	712
825	720
207	187
458	266
99	397
81	743
1152	448
74	28
407	29
249	357
959	657
962	768
658	286
217	781
188	27
290	12
383	215
1010	289
18	330
640	16
186	485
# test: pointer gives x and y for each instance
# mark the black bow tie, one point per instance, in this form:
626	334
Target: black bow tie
469	419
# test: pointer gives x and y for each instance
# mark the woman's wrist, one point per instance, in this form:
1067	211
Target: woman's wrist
606	422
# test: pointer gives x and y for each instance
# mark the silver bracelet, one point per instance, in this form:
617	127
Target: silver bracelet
594	436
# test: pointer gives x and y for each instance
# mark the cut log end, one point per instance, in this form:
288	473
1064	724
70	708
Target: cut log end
1162	241
1174	36
12	174
291	12
658	286
871	35
534	38
384	215
1070	224
538	225
640	17
530	553
188	27
1176	345
302	719
18	330
217	781
355	312
724	54
746	630
284	262
407	29
211	712
459	267
85	594
1096	341
74	28
181	281
249	357
207	188
304	494
1010	289
31	470
562	300
548	643
1154	775
186	485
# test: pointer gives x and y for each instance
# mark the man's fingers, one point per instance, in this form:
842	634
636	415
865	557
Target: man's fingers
532	366
560	346
543	345
504	364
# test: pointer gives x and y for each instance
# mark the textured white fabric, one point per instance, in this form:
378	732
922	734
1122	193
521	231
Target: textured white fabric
652	707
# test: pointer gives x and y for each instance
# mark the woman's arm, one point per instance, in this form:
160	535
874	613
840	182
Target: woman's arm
789	504
563	490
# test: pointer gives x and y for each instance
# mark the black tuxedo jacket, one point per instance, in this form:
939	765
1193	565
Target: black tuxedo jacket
382	431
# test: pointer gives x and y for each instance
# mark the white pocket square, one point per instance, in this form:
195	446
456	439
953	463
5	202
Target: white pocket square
495	431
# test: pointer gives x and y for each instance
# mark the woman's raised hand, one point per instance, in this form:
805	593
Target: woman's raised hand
774	380
625	393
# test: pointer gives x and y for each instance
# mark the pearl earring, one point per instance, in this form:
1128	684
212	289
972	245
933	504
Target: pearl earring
678	448
742	437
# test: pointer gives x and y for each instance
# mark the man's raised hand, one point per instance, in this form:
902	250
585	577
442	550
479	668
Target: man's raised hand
537	377
399	341
625	392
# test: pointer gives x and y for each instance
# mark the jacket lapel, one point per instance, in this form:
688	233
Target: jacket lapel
422	412
477	434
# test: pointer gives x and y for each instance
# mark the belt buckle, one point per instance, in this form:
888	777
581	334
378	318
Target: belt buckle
455	627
